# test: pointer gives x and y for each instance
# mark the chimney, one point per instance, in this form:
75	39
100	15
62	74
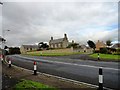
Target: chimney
65	35
72	41
51	38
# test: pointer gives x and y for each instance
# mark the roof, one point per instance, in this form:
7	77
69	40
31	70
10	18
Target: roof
117	45
57	40
30	46
83	46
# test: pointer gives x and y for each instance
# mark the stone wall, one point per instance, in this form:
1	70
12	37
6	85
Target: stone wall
59	50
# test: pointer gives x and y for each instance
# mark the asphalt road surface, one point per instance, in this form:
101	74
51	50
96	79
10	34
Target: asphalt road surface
81	70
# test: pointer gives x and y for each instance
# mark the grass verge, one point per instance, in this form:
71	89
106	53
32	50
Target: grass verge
31	85
105	56
38	53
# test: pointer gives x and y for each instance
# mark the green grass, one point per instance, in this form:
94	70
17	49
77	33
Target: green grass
31	85
38	53
105	56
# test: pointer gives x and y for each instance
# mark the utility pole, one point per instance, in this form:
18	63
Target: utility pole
2	39
1	57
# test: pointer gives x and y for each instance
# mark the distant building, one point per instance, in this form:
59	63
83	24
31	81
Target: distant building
116	46
26	48
59	43
99	45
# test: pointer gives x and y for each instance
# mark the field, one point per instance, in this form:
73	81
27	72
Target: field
30	85
105	56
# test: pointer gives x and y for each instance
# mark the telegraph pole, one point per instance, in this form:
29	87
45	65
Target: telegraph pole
2	39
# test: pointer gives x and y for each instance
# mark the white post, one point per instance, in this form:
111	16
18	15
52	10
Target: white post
35	68
98	57
9	63
1	57
100	79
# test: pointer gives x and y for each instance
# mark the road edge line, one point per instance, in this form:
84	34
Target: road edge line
63	79
58	77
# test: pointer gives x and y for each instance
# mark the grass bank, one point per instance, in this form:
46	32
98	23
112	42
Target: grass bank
105	56
30	85
39	53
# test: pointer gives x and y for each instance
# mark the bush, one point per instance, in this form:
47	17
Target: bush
74	45
117	52
96	51
14	50
105	51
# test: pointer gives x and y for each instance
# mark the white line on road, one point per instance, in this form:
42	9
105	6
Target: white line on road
64	79
68	63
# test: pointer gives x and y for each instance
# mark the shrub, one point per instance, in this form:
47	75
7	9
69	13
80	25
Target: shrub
117	52
96	51
14	50
105	50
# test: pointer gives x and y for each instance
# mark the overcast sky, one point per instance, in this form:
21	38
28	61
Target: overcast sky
33	22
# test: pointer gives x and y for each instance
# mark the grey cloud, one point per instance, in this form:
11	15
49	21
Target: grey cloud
34	22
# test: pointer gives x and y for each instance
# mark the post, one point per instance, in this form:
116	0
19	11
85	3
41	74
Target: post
41	53
100	79
9	63
1	56
98	57
35	68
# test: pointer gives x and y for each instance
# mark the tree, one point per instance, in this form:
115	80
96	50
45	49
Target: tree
14	50
5	47
74	45
91	44
43	45
40	45
108	42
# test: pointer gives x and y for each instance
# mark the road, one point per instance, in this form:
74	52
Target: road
80	70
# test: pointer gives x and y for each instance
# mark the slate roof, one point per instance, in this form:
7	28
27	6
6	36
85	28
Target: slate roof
57	40
117	45
30	46
83	46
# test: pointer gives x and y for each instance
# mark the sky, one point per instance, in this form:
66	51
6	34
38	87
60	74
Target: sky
33	22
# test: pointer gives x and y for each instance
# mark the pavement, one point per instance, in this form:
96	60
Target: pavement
75	69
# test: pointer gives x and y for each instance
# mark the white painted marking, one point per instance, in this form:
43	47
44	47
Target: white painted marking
1	59
64	79
69	63
9	61
35	67
100	78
